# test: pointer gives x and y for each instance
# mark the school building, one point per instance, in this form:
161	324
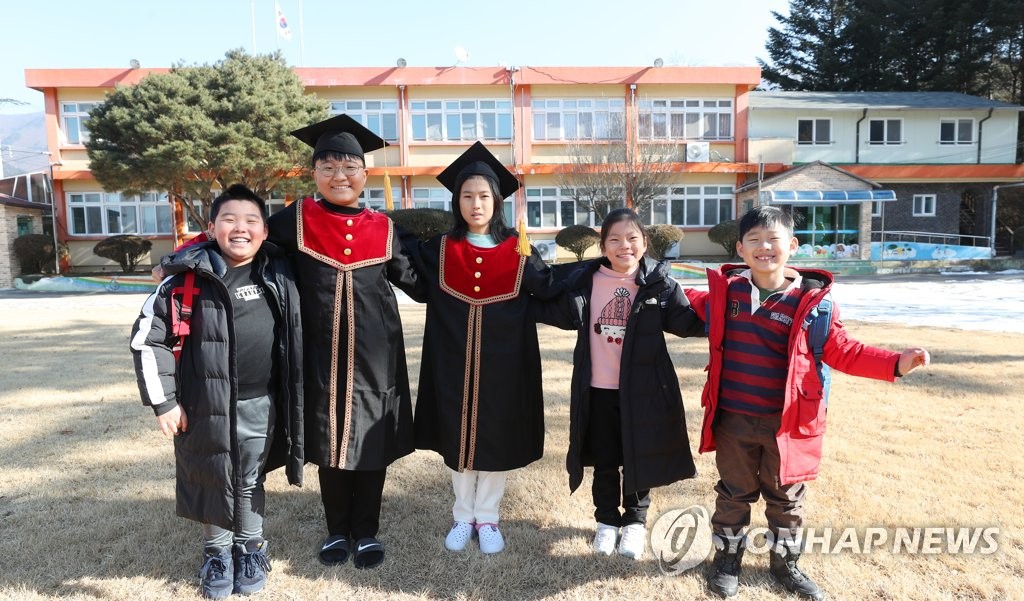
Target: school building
853	168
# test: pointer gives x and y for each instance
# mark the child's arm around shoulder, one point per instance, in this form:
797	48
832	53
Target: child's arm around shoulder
402	268
679	315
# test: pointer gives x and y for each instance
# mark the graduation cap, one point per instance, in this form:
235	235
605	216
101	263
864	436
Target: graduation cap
340	134
479	161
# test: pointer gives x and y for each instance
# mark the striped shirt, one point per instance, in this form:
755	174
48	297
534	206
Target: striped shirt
756	348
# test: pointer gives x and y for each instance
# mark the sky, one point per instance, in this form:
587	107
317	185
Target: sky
59	34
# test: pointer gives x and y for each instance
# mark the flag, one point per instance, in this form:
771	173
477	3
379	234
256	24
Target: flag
282	24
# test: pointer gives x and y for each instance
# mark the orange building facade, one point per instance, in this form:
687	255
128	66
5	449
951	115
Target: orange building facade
531	117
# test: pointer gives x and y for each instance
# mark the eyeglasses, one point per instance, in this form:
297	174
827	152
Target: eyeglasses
332	170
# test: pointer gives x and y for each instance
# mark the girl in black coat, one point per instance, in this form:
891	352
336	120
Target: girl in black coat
626	410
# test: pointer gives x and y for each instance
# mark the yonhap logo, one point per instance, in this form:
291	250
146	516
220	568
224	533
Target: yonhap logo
681	539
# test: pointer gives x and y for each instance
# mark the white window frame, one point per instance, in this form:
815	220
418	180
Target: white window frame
460	120
886	133
555	200
924	205
690	202
374	198
433	197
876	208
104	212
74	118
377	115
686	119
815	131
562	119
957	125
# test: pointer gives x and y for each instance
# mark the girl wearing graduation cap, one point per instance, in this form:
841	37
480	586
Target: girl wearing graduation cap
358	406
480	403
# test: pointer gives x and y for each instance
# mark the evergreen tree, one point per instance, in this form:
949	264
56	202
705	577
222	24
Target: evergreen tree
197	128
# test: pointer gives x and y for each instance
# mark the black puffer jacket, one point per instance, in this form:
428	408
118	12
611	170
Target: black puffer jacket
205	381
655	446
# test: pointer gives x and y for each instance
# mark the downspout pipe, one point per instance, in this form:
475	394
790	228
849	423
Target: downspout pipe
980	123
856	149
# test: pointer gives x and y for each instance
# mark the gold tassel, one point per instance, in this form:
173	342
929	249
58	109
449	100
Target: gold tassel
524	242
389	202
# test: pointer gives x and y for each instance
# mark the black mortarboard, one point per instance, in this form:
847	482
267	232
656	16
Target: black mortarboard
341	134
479	161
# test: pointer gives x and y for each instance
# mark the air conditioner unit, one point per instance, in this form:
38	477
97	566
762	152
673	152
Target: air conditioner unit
698	152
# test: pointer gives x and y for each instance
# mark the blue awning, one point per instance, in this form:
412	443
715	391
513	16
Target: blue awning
827	196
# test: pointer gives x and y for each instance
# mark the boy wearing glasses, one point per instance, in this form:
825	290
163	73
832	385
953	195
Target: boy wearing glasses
358	406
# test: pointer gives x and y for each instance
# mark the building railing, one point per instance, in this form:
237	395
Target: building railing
932	238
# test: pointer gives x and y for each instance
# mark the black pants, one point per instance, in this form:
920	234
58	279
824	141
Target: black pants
603	445
352	501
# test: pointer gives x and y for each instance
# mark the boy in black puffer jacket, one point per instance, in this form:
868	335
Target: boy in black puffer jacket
233	398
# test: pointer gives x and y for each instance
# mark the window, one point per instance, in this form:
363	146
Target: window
876	208
76	120
374	198
693	119
461	120
578	119
956	131
554	207
694	206
885	131
924	205
814	131
431	198
108	213
823	225
378	116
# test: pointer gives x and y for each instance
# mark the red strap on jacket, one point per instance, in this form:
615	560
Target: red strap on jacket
182	314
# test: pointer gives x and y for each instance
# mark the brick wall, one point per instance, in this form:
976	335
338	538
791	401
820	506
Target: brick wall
948	197
10	266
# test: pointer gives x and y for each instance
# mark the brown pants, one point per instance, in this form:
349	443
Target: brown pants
748	467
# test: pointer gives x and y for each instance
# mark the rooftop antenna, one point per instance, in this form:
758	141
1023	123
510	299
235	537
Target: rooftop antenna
134	63
461	55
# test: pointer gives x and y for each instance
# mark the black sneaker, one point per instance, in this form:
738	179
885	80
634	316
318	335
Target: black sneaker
789	575
725	572
251	566
217	573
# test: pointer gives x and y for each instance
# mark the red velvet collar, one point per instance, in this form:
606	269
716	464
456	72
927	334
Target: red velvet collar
343	241
481	276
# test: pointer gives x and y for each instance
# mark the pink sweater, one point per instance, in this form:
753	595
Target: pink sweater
611	301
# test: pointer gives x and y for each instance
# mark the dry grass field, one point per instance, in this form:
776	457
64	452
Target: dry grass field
87	511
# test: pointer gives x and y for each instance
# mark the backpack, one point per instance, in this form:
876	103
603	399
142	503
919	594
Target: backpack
181	314
817	324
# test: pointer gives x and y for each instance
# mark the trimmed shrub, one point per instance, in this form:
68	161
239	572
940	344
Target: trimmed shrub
577	239
34	252
422	223
726	234
660	238
125	249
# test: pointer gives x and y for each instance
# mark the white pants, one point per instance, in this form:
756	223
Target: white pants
477	496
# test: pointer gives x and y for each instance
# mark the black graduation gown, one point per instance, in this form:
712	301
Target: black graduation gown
480	403
358	406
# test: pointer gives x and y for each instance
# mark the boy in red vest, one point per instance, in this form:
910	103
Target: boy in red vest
765	405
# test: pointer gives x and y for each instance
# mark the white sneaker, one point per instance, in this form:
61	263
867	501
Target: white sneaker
491	540
459	536
605	539
634	537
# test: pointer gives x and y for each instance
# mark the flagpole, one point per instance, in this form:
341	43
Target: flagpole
252	18
277	30
302	39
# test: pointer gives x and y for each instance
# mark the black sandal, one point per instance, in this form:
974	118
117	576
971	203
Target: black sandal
368	553
336	549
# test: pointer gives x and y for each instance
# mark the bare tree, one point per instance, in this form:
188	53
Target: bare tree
603	175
